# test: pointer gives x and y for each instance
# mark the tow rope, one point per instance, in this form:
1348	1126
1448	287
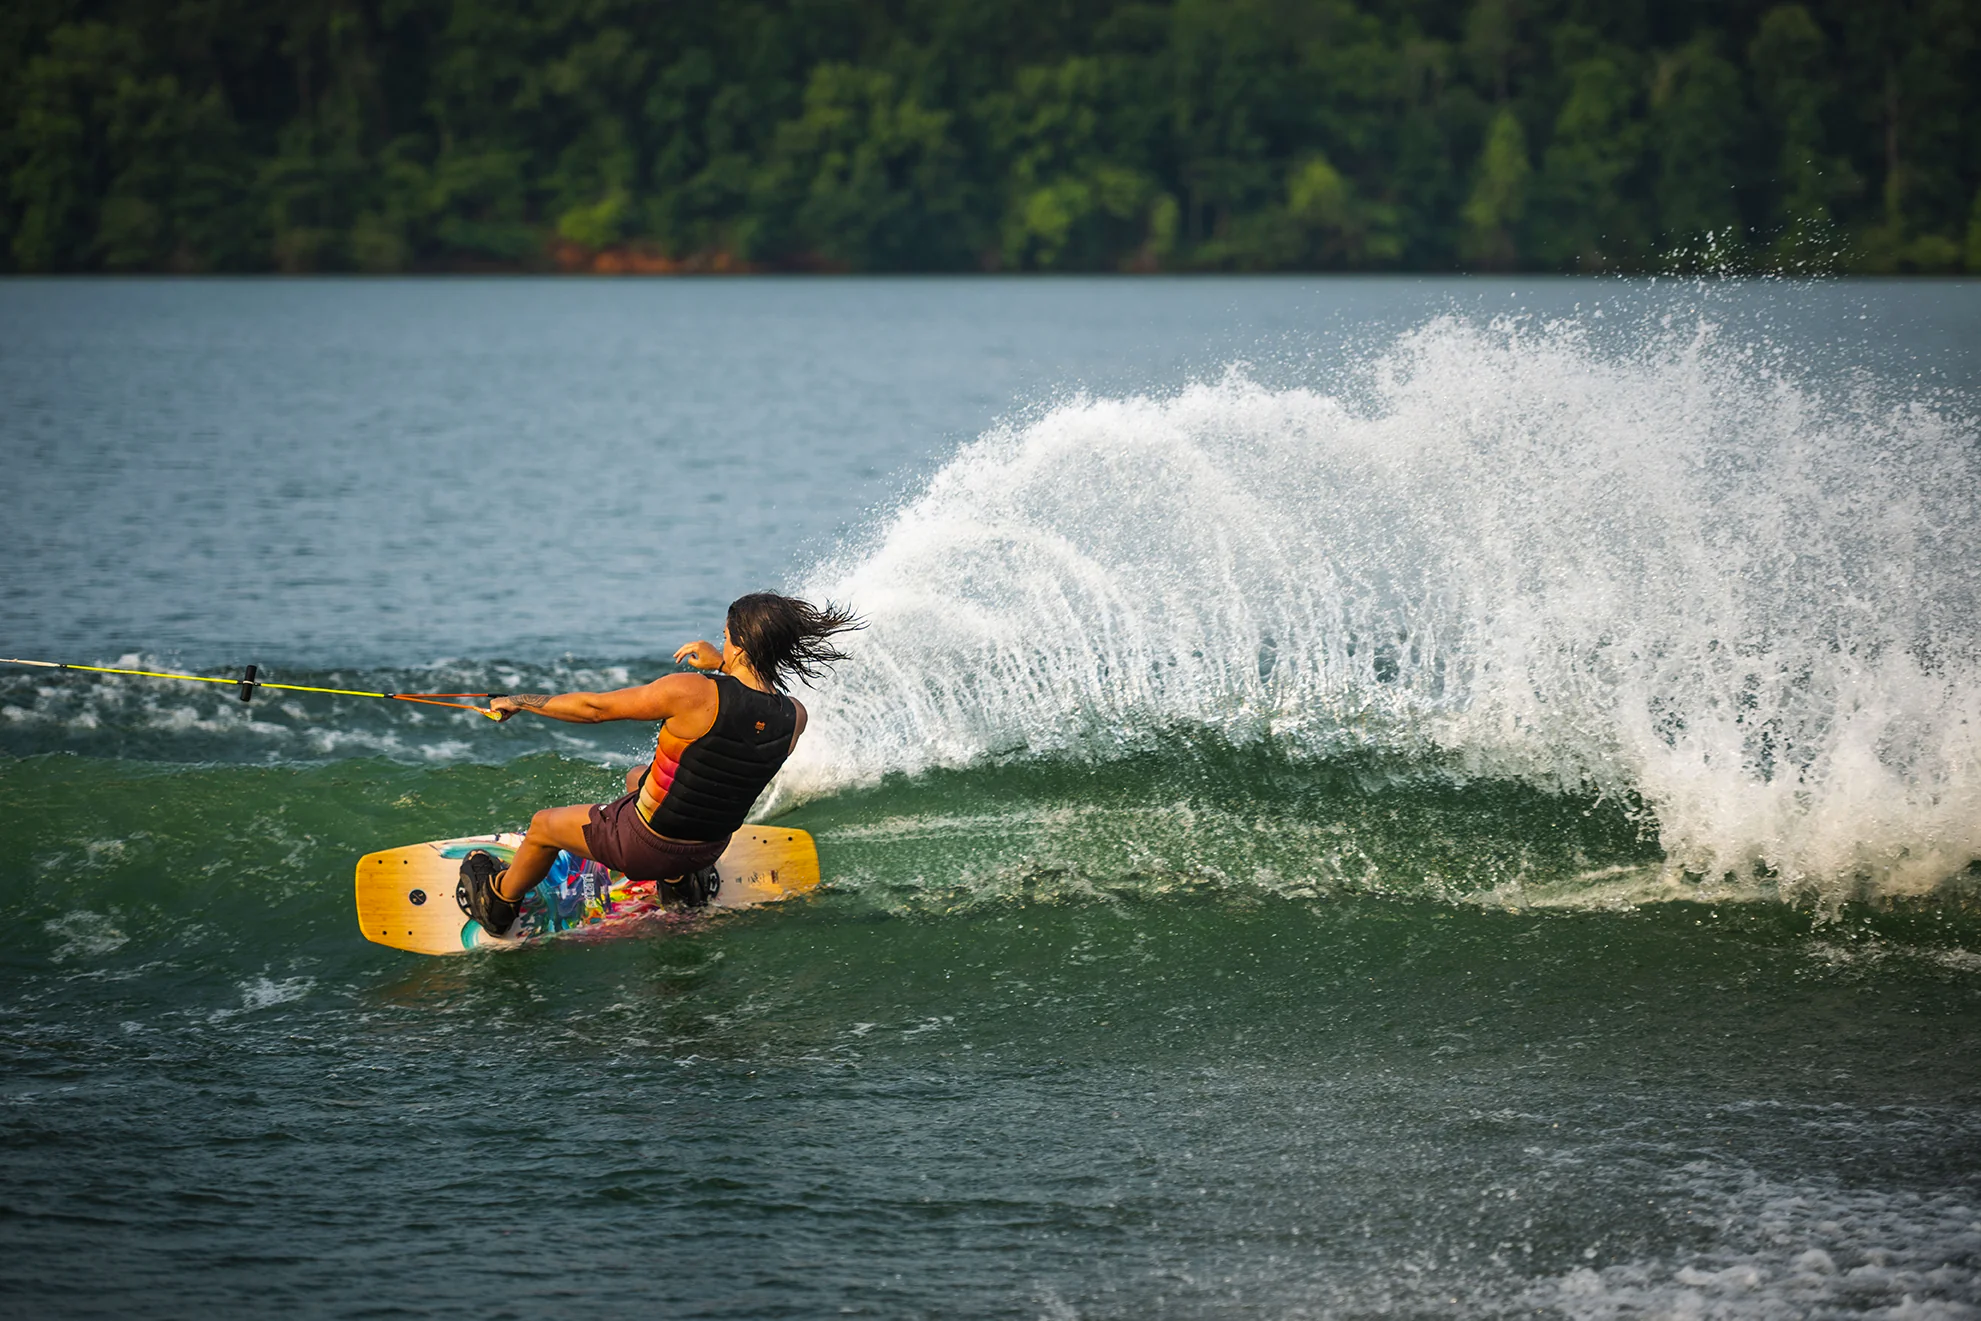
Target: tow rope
247	684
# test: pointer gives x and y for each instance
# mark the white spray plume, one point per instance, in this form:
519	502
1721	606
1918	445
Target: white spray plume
1680	573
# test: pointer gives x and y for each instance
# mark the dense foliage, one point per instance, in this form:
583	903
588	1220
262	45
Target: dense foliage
966	134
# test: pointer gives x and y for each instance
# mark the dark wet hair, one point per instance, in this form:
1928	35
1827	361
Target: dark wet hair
784	636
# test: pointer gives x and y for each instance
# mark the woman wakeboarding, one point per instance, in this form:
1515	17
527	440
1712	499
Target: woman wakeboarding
724	732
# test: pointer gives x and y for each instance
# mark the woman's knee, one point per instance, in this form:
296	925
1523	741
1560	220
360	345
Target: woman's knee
556	824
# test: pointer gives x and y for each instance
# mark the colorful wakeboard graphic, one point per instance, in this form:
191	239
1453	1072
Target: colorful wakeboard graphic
410	898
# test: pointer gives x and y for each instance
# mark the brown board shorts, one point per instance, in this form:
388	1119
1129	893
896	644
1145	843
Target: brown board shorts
615	836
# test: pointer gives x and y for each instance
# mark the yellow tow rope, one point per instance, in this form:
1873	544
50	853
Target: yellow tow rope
248	683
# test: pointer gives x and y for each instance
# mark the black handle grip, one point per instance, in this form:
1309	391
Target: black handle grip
248	685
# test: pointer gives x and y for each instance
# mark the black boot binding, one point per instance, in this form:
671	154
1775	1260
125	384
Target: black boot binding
476	893
691	891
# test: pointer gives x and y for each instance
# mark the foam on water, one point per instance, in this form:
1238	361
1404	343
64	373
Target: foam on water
1788	1251
265	993
83	934
1685	573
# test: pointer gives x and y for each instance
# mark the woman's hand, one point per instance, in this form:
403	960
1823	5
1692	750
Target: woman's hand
703	655
510	703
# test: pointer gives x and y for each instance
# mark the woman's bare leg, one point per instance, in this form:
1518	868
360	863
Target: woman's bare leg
552	829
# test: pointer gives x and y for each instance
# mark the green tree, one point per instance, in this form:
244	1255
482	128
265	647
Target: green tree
1498	201
1436	123
1035	134
1922	54
1584	216
1789	55
1493	46
482	97
322	179
1336	225
587	87
1070	204
1233	90
116	165
1974	236
866	179
702	160
1697	128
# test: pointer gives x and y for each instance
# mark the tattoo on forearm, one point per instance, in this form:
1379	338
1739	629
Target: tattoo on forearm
534	701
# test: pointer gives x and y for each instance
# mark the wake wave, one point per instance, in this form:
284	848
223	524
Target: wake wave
1682	573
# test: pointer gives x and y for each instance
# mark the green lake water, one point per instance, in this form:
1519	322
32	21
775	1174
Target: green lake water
1358	798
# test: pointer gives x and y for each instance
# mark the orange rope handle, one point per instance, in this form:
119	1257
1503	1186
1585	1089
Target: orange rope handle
435	701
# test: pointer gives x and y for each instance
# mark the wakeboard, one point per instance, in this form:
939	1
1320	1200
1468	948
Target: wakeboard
411	898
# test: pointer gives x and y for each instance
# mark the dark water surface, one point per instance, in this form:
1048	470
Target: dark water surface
1449	818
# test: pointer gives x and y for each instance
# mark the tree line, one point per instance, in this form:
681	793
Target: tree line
948	135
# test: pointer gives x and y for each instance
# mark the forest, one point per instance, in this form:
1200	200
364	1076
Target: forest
990	135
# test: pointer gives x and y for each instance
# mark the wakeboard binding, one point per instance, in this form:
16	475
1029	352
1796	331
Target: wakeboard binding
477	897
694	890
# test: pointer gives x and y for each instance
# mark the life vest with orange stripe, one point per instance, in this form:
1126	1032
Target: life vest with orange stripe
707	790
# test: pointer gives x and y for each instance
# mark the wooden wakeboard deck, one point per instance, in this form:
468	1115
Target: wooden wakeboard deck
409	897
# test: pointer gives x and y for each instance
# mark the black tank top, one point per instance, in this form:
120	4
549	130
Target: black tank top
707	793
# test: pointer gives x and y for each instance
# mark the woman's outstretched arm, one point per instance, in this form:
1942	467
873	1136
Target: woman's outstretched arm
671	694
